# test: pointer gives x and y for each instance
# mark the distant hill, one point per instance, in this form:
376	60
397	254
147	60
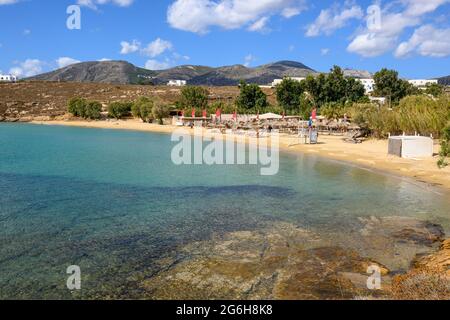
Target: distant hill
358	74
122	72
445	81
265	74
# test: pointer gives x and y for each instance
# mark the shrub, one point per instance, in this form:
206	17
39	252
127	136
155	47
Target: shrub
77	107
414	114
119	110
142	108
160	112
93	110
445	147
434	89
333	110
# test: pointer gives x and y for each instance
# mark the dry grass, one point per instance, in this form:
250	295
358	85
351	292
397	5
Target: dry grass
426	284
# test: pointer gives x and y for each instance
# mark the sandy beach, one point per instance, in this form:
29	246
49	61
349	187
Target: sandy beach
371	154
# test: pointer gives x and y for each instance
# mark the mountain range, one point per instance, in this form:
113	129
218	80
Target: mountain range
122	72
445	81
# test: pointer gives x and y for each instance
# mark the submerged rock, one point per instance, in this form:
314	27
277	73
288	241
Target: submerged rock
404	229
280	262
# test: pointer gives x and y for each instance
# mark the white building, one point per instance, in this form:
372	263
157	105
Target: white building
380	100
7	78
278	81
422	83
177	83
369	84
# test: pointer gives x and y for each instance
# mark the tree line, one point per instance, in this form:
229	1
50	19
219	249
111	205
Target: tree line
144	108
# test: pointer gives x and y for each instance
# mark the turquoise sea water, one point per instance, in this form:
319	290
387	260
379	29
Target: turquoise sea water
113	203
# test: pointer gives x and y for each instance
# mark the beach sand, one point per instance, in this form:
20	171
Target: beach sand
371	154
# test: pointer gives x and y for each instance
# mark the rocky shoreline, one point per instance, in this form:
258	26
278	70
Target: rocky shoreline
285	261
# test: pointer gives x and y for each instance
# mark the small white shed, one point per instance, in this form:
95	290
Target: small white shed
411	146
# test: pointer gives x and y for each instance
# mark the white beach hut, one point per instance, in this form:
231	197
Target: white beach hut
411	146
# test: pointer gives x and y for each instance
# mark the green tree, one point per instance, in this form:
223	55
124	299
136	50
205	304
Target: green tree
251	98
355	91
315	88
194	97
289	95
93	110
142	108
434	89
388	84
160	112
335	86
119	110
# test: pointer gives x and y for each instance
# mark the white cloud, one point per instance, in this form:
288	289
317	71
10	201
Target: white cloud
368	45
426	41
94	3
199	15
248	60
4	2
66	61
259	25
176	56
27	68
128	47
293	11
332	19
156	65
324	51
157	48
377	41
153	49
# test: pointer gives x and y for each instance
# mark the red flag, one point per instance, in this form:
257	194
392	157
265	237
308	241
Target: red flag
193	113
314	114
204	113
218	113
235	115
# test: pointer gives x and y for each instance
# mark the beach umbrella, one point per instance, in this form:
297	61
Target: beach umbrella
218	114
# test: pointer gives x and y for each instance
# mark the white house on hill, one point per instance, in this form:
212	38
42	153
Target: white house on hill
177	83
7	78
422	83
278	81
368	84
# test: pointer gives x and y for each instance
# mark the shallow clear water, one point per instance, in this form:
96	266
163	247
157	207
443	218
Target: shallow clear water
113	203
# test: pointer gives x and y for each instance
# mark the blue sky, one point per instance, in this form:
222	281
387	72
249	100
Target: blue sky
411	36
